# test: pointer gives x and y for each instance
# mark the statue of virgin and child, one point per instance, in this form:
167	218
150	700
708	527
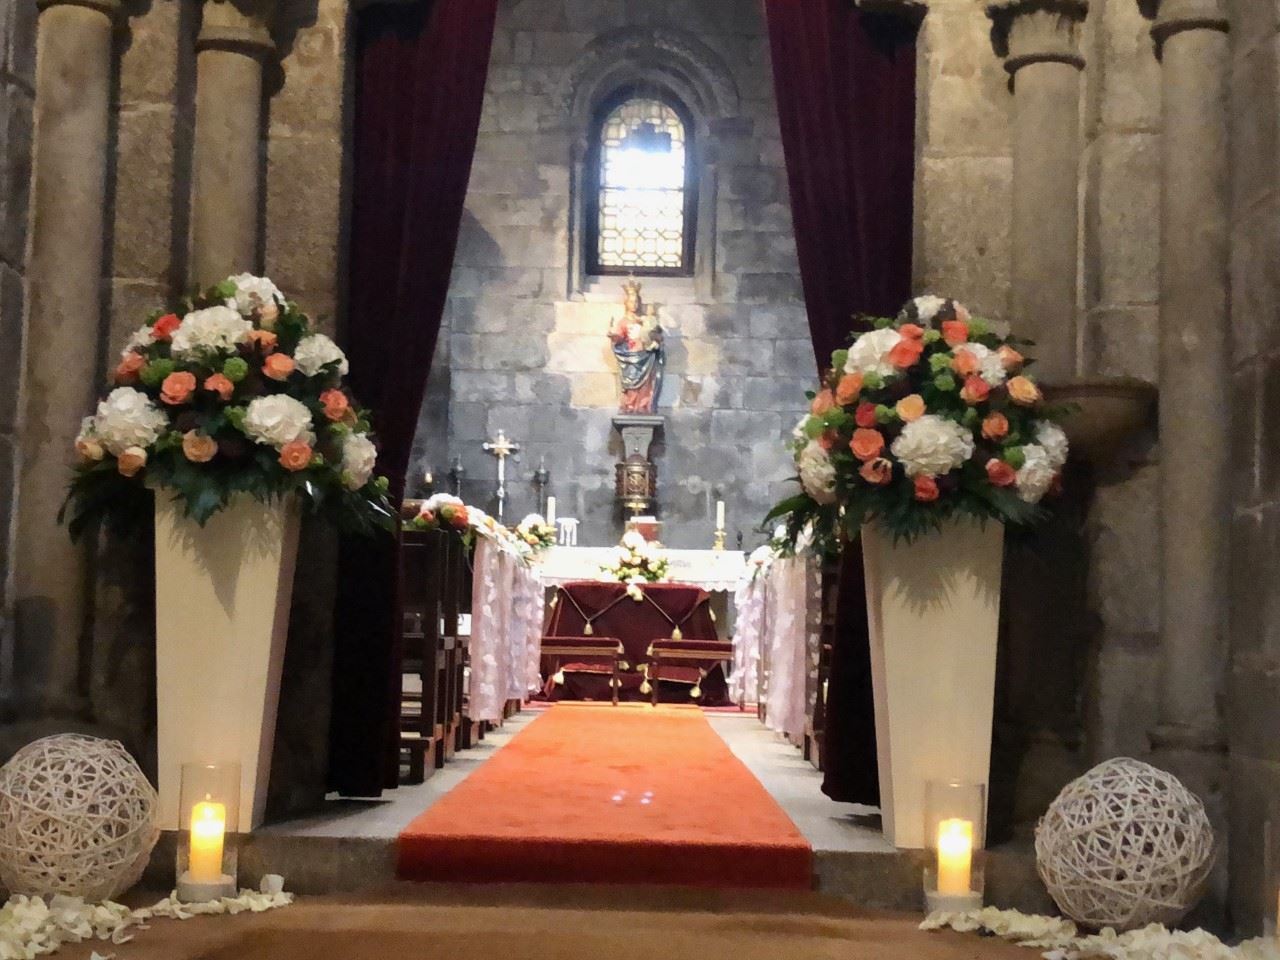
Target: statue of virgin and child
637	344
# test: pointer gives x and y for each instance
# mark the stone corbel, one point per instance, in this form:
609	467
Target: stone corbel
1170	17
1024	32
243	27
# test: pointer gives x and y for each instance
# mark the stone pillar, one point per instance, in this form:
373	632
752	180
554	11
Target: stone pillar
1195	380
72	100
1039	42
233	42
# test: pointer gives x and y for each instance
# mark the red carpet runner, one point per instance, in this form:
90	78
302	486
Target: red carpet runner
590	793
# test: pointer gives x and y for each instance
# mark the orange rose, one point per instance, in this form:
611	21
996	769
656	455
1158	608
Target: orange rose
278	366
823	402
865	415
217	383
910	407
335	404
878	471
198	447
295	455
1001	474
912	331
164	327
975	390
926	489
1010	357
131	461
264	340
178	387
1023	391
89	449
962	312
848	388
827	440
906	353
128	367
867	444
965	363
995	426
955	332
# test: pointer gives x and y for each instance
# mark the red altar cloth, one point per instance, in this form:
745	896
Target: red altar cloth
666	608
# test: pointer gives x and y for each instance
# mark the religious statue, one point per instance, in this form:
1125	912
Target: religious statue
637	343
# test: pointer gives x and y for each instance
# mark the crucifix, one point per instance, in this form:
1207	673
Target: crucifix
501	448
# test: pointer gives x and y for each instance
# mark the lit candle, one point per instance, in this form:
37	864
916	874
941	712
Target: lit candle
551	510
955	855
208	825
429	478
719	514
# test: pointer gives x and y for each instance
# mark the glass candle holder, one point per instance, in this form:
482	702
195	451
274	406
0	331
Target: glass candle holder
209	821
955	830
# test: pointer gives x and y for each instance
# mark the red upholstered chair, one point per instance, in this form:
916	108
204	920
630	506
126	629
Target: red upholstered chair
702	654
578	649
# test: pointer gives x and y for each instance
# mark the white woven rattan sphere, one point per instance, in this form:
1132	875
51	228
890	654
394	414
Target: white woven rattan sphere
77	817
1125	845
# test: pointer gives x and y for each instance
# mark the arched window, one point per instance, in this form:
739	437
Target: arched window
641	190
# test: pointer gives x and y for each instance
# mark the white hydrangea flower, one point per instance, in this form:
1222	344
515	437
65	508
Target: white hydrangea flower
253	293
870	352
1035	475
358	458
438	500
277	420
990	366
315	351
211	330
817	474
138	340
634	540
127	418
932	446
927	307
1051	436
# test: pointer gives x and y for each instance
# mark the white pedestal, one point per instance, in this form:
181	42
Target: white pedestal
222	616
933	609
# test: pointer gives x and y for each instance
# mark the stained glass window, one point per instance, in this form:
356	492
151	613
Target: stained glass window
642	207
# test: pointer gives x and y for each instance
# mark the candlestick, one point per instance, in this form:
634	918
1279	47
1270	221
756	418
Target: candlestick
955	856
719	514
551	511
208	828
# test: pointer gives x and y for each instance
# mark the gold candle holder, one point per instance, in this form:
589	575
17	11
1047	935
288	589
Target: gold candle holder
718	543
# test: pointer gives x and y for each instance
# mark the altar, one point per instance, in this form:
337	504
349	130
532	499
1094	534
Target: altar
715	571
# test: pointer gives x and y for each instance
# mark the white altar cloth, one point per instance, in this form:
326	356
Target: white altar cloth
712	570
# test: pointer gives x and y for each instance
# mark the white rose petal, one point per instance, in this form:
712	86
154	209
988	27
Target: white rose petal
932	446
317	350
870	352
127	418
817	473
211	330
277	420
358	458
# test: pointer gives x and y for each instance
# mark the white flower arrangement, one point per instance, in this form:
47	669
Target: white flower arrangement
359	456
817	473
126	418
932	446
870	353
254	295
210	331
636	561
279	419
315	352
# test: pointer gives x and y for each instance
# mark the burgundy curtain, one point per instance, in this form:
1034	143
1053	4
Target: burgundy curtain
845	82
419	85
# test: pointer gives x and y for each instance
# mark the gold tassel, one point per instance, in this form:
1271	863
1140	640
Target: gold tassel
558	678
676	634
713	615
615	682
623	665
695	691
645	688
588	631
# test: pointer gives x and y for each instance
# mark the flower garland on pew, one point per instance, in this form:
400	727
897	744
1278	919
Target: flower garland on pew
235	393
929	415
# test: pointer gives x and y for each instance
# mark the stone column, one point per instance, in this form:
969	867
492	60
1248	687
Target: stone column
1039	42
1195	379
233	43
60	378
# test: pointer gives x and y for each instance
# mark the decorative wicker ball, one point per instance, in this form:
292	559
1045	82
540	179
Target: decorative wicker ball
1125	845
77	817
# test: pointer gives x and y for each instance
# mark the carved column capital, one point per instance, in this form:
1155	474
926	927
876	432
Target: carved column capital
240	25
1171	17
1024	32
110	7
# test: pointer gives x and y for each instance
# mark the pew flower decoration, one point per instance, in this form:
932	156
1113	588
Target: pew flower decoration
636	561
536	532
927	415
441	511
235	393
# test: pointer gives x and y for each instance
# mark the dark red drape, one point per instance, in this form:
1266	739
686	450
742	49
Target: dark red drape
419	85
845	82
